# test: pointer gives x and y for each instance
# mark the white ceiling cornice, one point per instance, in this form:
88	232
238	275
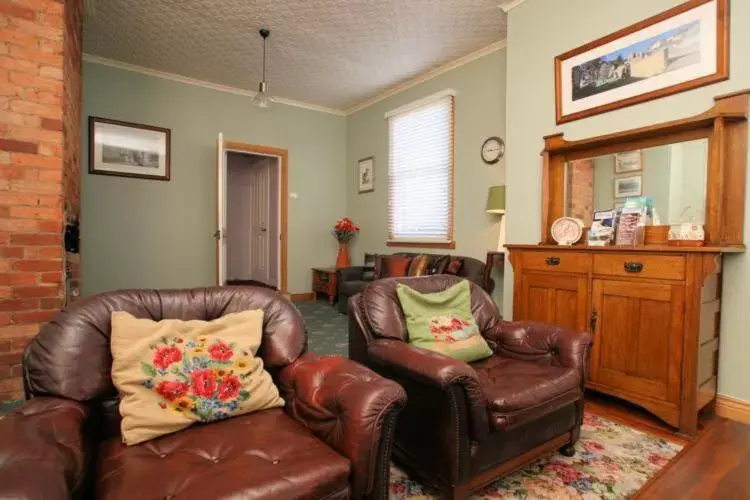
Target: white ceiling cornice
314	107
428	75
508	5
202	83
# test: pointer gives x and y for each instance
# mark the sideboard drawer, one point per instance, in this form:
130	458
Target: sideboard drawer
668	267
561	262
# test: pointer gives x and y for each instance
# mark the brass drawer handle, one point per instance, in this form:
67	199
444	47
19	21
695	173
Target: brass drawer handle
634	267
552	261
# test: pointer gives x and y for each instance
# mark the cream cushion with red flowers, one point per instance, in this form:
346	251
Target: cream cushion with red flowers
172	373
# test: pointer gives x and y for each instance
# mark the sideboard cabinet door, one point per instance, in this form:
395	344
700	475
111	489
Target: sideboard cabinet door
555	299
637	339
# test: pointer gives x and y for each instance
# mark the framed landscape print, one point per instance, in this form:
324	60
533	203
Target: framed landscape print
628	186
128	149
366	175
680	49
629	161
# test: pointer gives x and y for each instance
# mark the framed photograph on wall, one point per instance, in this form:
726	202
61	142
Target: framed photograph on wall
128	149
629	161
626	187
366	175
680	49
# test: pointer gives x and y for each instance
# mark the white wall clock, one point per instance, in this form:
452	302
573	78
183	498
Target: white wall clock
492	150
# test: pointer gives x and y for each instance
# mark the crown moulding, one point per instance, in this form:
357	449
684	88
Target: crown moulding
508	5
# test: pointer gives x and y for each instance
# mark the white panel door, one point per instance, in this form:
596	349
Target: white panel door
260	195
221	212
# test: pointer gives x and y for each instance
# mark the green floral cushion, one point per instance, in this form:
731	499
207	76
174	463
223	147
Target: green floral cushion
442	322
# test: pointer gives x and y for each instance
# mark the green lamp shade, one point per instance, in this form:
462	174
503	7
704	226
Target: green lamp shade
496	200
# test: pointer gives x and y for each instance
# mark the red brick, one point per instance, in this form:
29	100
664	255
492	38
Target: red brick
18	199
16	10
16	37
51	150
35	108
19	146
16	370
49	277
33	316
37	265
50	201
46	226
36	239
19	64
34	54
6	292
51	46
18	344
35	29
36	160
35	213
21	226
18	278
50	175
36	291
51	303
4	345
12	333
5	319
12	252
15	173
15	305
34	135
11	118
44	252
37	82
50	124
32	186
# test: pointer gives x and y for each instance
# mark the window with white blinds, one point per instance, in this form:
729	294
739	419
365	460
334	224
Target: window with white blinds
420	171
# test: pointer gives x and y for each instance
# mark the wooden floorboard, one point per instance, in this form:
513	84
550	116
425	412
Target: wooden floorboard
715	465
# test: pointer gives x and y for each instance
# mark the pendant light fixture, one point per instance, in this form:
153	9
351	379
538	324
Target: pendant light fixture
263	99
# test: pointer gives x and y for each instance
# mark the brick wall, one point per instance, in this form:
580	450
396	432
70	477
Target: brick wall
33	156
581	189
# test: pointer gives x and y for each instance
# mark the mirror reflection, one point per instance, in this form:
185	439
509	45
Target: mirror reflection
672	176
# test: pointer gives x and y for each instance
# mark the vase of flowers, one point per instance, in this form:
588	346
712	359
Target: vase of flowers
344	231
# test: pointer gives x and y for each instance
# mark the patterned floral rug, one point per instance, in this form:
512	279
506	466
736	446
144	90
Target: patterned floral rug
612	461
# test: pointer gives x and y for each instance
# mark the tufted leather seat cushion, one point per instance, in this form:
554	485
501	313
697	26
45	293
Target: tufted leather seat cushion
519	392
260	455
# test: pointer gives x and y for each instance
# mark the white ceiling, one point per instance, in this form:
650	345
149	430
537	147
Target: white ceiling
332	53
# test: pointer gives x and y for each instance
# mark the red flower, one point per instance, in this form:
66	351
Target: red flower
229	388
171	389
165	356
220	351
203	382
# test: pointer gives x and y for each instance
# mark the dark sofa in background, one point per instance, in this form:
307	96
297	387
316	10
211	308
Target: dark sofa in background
352	280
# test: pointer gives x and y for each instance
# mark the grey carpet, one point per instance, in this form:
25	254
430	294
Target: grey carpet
326	330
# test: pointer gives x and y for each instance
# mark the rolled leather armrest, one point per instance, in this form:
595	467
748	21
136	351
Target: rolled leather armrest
42	450
434	369
350	408
353	273
541	342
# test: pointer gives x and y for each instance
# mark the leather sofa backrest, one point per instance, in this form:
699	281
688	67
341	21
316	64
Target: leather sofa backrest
385	318
70	357
471	269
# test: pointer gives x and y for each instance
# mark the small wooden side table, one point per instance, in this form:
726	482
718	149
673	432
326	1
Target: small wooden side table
324	281
495	260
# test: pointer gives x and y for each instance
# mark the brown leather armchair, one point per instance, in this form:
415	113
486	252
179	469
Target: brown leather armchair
467	424
332	440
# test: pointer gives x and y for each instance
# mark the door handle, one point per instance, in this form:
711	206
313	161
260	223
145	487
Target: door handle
592	321
633	267
263	230
552	261
217	234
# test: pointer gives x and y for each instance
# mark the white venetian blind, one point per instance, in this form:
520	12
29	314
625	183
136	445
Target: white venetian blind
420	171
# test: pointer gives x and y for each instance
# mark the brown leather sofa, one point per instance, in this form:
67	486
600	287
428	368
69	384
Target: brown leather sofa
332	439
351	280
465	425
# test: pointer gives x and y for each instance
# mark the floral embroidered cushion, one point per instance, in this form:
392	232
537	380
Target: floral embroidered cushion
443	322
172	373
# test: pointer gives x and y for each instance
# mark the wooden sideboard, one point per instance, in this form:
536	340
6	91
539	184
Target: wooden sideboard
654	313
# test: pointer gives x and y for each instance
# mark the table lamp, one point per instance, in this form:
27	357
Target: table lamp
496	205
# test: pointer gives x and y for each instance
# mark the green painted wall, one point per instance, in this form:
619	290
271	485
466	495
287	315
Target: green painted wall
539	30
479	113
139	233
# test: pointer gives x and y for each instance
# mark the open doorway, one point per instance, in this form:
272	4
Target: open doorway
251	215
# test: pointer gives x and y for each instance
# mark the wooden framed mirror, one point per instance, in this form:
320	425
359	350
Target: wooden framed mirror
709	150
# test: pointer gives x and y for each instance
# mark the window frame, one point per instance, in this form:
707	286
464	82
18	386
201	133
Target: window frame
450	242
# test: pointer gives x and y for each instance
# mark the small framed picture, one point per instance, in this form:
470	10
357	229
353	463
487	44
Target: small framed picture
128	149
366	175
629	161
628	186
